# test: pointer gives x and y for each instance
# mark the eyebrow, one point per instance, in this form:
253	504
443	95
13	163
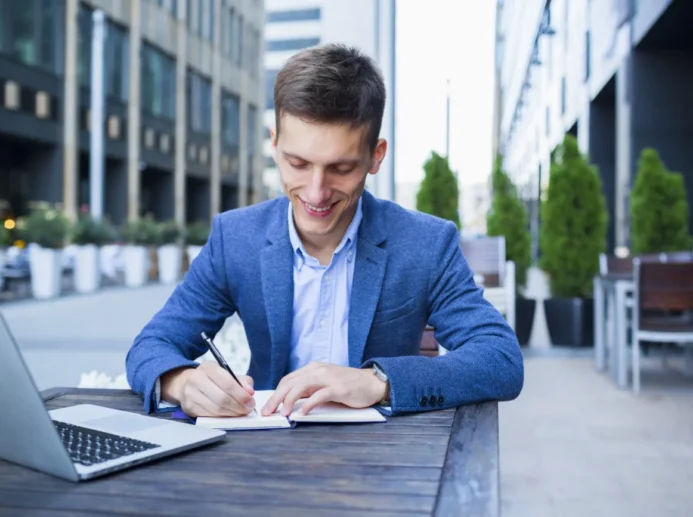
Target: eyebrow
343	161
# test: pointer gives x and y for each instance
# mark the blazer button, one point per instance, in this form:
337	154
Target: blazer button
424	401
432	400
440	400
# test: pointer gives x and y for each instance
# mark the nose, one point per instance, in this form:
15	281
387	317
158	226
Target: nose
318	191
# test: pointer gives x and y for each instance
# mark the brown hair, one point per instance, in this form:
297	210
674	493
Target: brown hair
332	83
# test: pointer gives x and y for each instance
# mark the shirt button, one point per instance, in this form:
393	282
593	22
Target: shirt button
424	400
322	323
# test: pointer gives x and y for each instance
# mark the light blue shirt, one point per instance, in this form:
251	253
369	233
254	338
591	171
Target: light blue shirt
321	300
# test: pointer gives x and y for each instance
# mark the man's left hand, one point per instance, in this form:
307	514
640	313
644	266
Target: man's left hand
325	382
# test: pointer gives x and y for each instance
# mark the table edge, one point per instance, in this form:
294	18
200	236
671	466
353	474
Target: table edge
470	481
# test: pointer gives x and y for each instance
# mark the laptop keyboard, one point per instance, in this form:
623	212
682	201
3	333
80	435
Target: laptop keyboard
90	447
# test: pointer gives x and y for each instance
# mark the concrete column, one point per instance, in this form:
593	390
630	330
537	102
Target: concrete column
243	173
70	111
215	176
181	122
134	103
624	145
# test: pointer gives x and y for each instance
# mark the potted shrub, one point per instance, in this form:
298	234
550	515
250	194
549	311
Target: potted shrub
572	236
45	229
439	194
508	218
138	235
169	252
658	208
89	235
196	237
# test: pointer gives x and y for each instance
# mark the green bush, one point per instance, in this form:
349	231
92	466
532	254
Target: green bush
439	193
658	208
197	233
45	225
141	232
574	223
508	218
89	230
169	232
5	236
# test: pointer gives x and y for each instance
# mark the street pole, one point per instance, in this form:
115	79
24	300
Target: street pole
96	148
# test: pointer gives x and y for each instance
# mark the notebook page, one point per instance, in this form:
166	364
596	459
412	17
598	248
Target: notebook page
252	421
332	412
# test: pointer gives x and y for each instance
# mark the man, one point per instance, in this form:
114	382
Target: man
334	287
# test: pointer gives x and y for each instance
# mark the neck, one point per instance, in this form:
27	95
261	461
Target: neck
322	247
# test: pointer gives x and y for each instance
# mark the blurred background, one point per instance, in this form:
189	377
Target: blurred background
555	133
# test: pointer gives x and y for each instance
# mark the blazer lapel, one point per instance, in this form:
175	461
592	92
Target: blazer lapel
369	272
276	263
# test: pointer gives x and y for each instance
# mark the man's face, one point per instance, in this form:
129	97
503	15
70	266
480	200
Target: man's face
323	169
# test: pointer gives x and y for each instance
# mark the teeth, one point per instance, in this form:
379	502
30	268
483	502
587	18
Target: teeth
316	209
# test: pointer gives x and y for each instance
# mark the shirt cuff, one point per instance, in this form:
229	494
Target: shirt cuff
160	405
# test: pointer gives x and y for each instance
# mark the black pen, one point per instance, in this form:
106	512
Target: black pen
220	359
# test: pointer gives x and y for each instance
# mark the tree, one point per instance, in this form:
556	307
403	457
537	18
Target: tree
438	194
574	222
508	218
658	208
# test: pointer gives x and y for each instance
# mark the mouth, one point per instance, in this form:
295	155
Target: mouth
318	211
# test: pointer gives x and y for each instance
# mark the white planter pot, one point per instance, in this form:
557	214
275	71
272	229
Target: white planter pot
193	252
135	265
46	272
87	268
170	257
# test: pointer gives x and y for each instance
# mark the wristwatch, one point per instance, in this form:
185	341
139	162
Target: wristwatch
381	375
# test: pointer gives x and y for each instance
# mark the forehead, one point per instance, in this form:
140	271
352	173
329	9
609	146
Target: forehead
320	141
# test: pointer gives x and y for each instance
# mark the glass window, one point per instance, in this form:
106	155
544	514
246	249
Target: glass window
199	101
24	43
239	40
252	124
158	82
230	119
292	44
48	35
227	32
29	31
270	78
117	62
298	15
84	26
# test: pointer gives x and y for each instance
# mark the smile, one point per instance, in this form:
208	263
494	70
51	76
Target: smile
318	211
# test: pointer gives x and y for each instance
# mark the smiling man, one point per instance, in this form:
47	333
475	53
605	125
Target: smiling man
334	287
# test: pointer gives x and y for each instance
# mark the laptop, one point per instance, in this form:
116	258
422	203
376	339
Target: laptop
83	441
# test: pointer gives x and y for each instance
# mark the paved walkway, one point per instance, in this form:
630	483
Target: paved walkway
571	445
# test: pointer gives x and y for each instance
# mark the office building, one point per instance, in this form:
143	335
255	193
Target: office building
617	74
292	25
182	119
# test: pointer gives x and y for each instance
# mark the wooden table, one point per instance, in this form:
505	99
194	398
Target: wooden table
438	463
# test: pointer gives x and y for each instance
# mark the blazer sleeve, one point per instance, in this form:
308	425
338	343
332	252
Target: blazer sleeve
171	339
484	361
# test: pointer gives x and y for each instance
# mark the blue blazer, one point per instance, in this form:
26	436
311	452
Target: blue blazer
409	271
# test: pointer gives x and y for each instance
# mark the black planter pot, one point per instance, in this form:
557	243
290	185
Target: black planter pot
570	321
524	318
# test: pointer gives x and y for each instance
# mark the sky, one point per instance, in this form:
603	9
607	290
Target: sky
439	40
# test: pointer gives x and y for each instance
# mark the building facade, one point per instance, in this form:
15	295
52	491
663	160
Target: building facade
182	119
292	25
617	74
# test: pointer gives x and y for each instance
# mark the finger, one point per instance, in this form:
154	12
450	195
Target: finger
319	397
248	382
216	399
277	397
228	384
296	393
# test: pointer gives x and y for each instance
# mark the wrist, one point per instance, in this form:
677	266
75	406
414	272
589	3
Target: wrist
380	388
173	384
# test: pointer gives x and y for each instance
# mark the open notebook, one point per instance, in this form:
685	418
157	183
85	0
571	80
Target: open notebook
324	413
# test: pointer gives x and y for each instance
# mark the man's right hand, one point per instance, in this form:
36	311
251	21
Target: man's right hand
208	390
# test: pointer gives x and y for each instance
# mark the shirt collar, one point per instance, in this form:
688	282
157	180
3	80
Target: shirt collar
347	241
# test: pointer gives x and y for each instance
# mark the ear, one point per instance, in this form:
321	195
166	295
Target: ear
378	156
